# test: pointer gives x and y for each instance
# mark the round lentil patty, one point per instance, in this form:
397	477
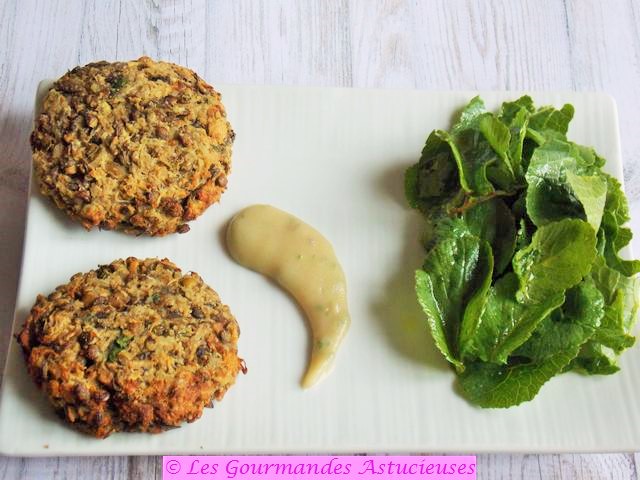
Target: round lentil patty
139	146
131	346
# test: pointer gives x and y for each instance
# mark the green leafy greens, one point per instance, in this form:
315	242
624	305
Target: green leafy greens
523	278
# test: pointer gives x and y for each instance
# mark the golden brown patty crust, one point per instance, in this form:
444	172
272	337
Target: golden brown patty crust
139	146
131	346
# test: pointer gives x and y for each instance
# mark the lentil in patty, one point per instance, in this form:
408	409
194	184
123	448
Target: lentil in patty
131	346
139	146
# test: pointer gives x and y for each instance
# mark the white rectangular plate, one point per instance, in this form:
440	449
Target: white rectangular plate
335	158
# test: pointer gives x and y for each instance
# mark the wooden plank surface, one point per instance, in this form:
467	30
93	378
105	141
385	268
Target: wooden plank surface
428	44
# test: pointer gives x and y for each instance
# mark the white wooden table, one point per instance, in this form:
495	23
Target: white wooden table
425	44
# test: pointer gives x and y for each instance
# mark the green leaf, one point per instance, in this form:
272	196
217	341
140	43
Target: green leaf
552	122
621	297
561	185
490	220
616	237
559	256
461	162
616	206
523	237
498	136
615	241
519	206
491	385
472	155
480	144
549	350
515	115
518	129
510	110
451	289
433	182
505	323
470	115
548	198
593	359
493	222
591	191
572	324
523	278
468	148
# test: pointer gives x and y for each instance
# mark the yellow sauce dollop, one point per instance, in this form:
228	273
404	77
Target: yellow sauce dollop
302	261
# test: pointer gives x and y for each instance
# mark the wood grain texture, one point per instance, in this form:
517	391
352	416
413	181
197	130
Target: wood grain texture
556	467
429	44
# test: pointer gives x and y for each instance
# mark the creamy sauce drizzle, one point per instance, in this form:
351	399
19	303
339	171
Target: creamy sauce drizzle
302	261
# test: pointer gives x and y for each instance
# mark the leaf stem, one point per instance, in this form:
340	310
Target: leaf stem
470	202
